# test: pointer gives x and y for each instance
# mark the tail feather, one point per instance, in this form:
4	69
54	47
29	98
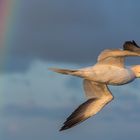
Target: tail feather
63	71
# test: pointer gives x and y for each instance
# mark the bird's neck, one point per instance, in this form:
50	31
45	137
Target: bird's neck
136	70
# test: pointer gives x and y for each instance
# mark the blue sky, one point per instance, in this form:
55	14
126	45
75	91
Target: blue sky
68	34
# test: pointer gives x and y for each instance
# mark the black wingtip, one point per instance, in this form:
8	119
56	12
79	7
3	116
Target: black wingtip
131	46
130	43
63	128
60	130
77	116
134	43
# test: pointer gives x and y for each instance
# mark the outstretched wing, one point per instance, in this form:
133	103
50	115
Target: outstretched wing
116	56
98	96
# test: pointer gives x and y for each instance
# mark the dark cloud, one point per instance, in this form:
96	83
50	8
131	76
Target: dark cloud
71	31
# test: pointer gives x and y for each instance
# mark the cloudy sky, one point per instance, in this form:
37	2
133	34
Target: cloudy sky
70	34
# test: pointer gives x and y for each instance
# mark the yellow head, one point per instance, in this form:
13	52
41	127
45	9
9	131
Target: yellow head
136	70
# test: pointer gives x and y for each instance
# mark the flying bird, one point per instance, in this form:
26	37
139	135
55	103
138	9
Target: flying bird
109	70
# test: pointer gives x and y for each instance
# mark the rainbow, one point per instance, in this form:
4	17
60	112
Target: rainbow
8	12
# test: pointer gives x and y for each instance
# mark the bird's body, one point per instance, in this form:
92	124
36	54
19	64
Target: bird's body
104	73
109	70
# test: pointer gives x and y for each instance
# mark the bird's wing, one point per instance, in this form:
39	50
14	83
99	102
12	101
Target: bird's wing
98	96
95	90
115	56
131	46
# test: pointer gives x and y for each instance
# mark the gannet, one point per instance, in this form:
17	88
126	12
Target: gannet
109	70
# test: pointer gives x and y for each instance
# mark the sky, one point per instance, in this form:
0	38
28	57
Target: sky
70	34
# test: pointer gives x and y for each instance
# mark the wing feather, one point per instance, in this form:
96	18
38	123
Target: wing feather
115	56
101	96
95	90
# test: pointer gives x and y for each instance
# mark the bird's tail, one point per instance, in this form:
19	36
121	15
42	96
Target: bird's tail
66	71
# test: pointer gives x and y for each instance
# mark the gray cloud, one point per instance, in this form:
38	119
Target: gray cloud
70	31
37	102
31	111
24	120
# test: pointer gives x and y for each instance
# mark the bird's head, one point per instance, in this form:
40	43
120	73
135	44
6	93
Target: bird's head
136	70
